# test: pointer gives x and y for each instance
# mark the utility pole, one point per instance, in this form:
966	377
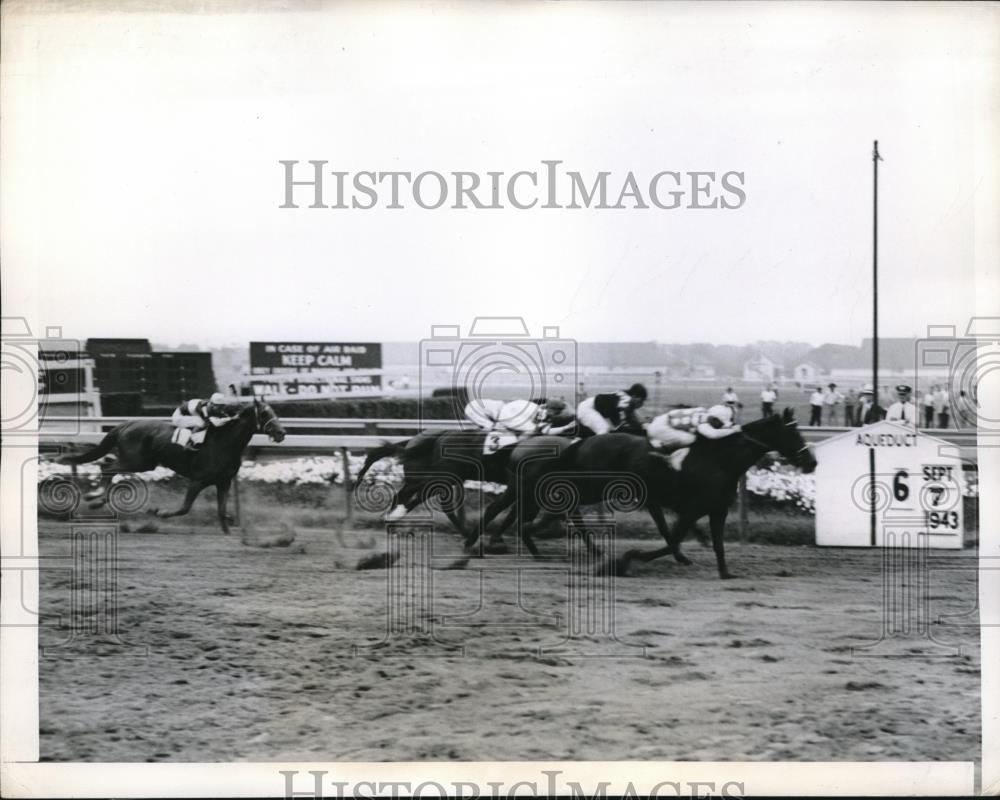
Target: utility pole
875	388
876	408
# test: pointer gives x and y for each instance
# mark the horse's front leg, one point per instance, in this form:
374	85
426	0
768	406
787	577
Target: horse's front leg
717	521
193	490
456	516
221	496
496	505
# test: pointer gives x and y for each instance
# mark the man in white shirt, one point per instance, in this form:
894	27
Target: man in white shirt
732	400
903	410
816	408
831	399
768	398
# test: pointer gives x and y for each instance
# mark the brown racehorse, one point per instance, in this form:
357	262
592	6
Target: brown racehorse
436	464
142	445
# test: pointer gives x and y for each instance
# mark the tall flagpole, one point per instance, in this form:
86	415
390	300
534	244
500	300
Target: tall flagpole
875	159
876	408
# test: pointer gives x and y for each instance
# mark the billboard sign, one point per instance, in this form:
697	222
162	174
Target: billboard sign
307	356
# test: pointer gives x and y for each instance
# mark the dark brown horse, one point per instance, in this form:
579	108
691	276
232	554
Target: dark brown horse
589	471
436	465
142	445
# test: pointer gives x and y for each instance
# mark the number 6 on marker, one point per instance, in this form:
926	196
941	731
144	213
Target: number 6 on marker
899	488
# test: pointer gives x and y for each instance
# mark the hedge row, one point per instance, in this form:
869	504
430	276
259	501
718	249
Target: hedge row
444	408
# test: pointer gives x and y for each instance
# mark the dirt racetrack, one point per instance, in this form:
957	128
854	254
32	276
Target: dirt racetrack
239	652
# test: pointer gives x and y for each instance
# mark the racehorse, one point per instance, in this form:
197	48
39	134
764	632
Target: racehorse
144	444
705	485
437	464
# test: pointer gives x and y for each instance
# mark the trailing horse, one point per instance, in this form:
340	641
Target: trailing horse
144	444
705	485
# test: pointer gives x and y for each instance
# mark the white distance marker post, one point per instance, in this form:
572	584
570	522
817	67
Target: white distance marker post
918	489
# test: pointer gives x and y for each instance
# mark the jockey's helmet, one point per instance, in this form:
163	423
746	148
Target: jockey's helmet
723	414
554	406
217	399
637	391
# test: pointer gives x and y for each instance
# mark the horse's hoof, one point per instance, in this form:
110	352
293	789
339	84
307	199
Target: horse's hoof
682	559
620	567
728	576
497	549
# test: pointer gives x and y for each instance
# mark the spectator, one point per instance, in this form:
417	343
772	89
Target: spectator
816	408
868	411
768	398
903	410
942	407
928	402
831	399
732	401
850	402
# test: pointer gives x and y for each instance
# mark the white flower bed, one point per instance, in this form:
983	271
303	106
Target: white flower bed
782	484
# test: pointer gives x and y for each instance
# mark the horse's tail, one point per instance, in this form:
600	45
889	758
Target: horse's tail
102	449
383	451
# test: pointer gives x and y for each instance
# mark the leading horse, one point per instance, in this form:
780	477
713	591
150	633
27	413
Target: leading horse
144	444
705	485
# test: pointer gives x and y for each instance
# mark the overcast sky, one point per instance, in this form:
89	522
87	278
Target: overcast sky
149	145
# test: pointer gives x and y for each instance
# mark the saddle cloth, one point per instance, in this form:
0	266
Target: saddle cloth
185	436
495	440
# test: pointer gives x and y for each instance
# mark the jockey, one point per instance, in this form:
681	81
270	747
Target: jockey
517	416
719	423
192	418
604	413
555	418
484	413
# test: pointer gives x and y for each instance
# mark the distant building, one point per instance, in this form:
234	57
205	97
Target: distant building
701	370
806	372
130	368
761	369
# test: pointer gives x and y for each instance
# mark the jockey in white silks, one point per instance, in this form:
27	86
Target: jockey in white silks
677	430
192	418
505	422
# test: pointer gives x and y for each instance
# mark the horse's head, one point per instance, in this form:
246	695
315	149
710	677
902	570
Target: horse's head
267	421
782	434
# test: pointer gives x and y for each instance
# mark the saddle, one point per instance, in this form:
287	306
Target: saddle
187	437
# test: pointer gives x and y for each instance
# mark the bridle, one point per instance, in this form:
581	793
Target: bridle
272	420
